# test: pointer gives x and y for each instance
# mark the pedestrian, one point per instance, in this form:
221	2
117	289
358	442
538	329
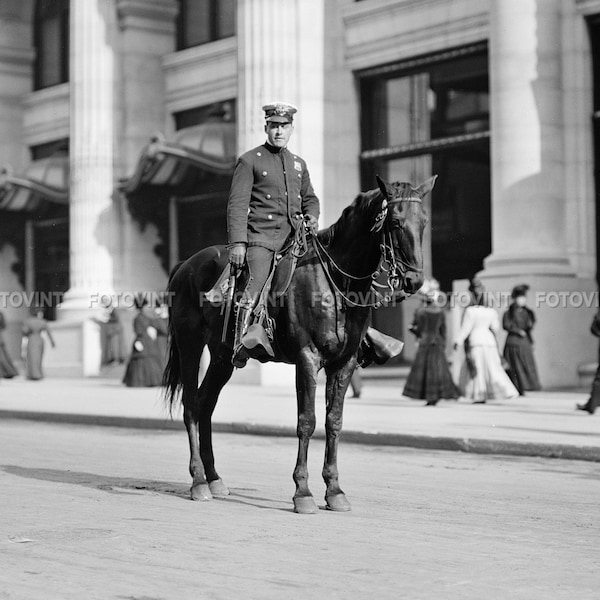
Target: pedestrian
594	399
7	368
32	344
144	368
429	377
111	330
482	377
518	321
271	196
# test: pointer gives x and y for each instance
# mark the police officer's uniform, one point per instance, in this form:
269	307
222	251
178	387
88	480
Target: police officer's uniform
270	189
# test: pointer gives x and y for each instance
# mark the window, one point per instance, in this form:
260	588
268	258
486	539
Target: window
51	39
430	115
203	21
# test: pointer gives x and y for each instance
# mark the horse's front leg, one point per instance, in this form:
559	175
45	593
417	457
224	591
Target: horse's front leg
306	387
337	384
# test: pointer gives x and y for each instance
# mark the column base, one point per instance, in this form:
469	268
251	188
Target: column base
78	351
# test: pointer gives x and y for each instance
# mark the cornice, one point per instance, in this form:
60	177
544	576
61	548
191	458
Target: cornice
203	54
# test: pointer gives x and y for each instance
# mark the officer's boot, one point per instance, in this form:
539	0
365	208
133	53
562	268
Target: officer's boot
243	316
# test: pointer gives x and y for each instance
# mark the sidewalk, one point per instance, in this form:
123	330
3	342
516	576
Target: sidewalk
539	424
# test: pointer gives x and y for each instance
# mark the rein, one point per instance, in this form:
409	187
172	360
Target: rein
395	267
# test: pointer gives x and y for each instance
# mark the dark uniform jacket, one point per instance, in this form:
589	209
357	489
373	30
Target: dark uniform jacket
265	197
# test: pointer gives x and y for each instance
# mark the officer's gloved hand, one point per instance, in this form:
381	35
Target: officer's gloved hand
311	223
237	255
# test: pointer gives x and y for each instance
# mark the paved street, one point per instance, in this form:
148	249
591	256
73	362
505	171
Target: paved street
101	512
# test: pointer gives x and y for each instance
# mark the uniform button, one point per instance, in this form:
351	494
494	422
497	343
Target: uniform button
299	196
264	173
268	196
286	193
270	217
258	154
299	175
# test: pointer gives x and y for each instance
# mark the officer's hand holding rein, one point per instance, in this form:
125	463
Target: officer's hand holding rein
237	254
311	223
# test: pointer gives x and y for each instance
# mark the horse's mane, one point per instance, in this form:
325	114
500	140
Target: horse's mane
360	210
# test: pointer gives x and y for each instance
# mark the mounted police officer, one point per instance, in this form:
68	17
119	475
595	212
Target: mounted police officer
271	195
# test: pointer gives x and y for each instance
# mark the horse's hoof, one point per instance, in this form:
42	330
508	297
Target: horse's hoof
201	492
305	505
338	502
218	489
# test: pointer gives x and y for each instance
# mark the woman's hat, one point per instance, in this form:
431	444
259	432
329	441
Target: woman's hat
519	290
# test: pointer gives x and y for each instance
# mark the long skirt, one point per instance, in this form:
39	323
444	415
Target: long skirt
523	371
143	370
7	369
490	381
429	377
35	354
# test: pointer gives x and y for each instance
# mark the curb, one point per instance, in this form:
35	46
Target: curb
424	442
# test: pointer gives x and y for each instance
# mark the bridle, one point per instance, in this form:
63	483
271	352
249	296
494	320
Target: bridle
395	267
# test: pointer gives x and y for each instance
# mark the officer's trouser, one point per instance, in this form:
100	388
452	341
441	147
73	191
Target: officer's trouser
260	262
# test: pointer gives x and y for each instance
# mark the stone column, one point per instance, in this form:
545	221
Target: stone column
93	227
281	57
532	227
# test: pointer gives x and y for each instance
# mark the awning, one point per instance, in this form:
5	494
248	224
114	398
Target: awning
178	165
45	182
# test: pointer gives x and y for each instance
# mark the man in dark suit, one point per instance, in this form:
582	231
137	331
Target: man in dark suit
270	196
594	399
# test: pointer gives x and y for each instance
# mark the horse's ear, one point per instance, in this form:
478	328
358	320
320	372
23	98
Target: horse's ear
383	186
426	186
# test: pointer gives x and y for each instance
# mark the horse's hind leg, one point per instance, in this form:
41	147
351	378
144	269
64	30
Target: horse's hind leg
306	386
199	404
337	384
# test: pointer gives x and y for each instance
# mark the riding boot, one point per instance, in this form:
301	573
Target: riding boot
240	356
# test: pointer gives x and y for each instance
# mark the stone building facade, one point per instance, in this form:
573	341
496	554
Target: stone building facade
118	141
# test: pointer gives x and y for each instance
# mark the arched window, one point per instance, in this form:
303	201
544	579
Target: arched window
51	39
203	21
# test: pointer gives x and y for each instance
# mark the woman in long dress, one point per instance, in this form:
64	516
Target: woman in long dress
144	368
429	378
32	331
482	377
7	368
518	321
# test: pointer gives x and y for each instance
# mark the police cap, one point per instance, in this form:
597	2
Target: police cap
279	112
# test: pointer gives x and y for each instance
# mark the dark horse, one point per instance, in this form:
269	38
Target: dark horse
379	233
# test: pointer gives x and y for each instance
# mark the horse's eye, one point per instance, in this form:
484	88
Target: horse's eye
395	224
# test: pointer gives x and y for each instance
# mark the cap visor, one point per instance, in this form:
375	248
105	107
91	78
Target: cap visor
277	119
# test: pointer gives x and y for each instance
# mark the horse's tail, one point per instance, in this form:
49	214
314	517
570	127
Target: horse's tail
171	380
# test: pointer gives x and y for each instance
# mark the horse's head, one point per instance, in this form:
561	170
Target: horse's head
405	220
